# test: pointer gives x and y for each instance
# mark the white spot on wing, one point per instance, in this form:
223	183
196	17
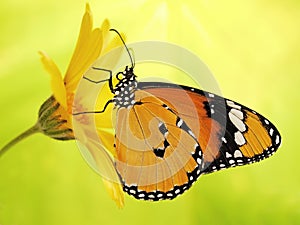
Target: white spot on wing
239	161
238	123
224	140
199	161
159	195
233	105
228	155
141	195
180	122
237	154
231	161
239	138
277	140
132	191
271	131
237	113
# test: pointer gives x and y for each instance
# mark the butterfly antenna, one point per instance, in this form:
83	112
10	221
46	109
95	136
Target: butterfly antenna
132	55
132	62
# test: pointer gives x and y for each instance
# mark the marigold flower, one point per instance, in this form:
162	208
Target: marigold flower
55	114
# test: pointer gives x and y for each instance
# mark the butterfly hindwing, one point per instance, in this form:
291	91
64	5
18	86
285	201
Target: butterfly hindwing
158	156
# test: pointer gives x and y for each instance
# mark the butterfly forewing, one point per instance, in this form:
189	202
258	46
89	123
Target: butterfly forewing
229	134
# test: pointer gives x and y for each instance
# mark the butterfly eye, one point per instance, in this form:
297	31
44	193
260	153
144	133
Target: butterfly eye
120	76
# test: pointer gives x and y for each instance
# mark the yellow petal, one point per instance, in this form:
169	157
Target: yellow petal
87	50
115	191
57	83
85	30
105	29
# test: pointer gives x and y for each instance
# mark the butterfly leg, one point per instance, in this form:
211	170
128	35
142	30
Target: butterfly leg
99	81
89	112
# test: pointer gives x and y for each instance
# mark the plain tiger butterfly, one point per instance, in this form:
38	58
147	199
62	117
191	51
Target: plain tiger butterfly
167	135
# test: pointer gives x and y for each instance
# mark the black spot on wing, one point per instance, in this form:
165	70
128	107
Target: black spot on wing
159	152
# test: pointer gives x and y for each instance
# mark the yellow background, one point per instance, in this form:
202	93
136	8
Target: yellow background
253	49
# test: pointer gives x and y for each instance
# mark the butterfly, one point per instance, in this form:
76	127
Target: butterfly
167	135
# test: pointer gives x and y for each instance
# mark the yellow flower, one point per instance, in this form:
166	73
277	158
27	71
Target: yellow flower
55	114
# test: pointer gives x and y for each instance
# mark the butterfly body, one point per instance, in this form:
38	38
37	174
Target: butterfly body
125	89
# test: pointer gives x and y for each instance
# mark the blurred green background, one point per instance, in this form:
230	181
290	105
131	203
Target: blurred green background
253	49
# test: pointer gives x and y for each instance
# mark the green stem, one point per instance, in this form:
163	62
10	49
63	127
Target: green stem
30	131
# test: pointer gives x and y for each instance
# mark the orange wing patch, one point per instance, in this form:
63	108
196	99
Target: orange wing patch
258	139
